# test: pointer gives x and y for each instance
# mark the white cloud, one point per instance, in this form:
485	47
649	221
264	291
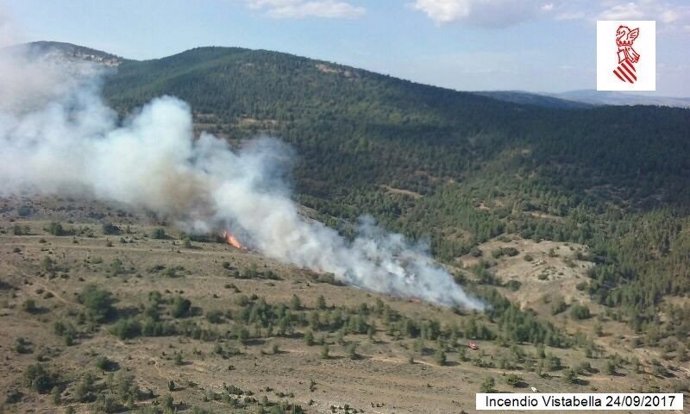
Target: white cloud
492	13
627	11
299	9
500	13
444	11
667	12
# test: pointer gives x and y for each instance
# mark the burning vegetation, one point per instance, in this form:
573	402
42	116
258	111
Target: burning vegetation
233	241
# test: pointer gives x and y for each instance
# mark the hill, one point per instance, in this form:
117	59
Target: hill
572	222
614	177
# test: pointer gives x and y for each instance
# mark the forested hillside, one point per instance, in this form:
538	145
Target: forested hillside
460	168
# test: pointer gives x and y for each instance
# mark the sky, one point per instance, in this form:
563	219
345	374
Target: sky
531	45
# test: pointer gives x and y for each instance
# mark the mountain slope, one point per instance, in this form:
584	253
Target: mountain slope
457	168
443	132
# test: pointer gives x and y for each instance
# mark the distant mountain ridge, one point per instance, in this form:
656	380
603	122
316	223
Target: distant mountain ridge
71	51
567	100
594	97
585	98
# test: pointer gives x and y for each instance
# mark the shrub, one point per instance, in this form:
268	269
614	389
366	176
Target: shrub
13	396
105	364
39	379
106	404
552	363
510	251
48	264
610	367
295	303
159	234
325	350
497	253
440	357
23	346
570	376
352	351
241	333
117	267
514	380
309	338
580	312
56	229
126	328
181	307
558	306
110	229
214	316
29	306
513	285
98	302
488	385
178	359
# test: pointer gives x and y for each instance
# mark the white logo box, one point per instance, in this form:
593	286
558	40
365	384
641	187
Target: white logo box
644	70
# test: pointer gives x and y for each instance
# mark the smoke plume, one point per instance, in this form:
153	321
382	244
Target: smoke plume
58	137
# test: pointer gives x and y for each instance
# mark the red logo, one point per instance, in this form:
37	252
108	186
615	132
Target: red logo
627	57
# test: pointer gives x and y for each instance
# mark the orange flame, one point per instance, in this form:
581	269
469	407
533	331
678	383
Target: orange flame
232	241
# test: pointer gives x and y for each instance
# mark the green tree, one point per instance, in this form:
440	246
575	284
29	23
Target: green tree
295	303
610	367
56	229
159	233
98	302
321	303
325	351
109	229
352	351
38	378
179	360
580	312
440	357
117	267
127	328
29	306
309	337
181	307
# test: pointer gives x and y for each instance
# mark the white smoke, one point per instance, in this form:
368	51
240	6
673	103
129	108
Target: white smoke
58	137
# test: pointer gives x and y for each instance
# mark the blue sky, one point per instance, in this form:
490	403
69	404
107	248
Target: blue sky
532	45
